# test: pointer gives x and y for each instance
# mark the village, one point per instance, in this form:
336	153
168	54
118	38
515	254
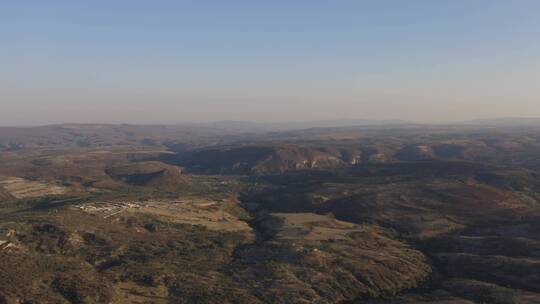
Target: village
211	214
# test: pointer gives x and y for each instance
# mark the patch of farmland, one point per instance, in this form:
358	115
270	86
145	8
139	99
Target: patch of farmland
308	226
22	188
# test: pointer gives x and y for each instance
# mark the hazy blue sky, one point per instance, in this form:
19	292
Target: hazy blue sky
179	61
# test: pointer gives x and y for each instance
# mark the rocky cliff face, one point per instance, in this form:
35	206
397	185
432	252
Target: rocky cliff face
260	160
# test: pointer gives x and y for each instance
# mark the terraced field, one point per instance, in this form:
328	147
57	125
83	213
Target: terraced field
21	188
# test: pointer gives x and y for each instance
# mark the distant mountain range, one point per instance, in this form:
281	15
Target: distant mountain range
506	121
236	126
299	125
216	132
